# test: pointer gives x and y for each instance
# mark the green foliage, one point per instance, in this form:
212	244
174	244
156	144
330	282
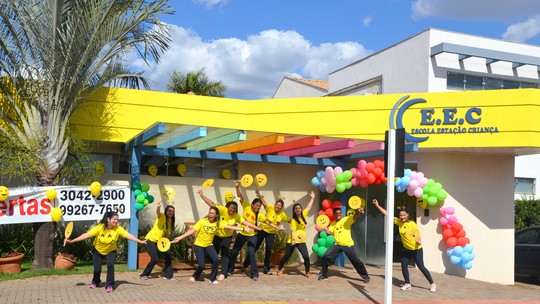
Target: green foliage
17	238
197	83
280	242
527	214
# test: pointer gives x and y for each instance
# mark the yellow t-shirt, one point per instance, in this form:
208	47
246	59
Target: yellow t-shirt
205	232
159	230
274	217
226	219
407	238
295	226
249	215
342	231
105	240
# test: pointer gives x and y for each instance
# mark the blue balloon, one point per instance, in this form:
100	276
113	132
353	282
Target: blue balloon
397	182
472	256
322	188
320	174
407	172
465	257
405	181
455	260
315	182
458	251
467	266
468	248
449	252
400	188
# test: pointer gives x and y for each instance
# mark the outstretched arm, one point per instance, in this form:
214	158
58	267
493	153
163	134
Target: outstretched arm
238	192
357	214
183	236
261	197
205	199
278	228
250	225
310	204
158	209
131	237
381	209
81	237
231	227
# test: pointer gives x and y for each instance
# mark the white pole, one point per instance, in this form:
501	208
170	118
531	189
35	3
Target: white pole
389	223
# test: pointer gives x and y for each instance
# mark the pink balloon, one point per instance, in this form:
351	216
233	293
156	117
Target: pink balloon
337	170
443	210
410	191
451	219
422	181
362	164
413	184
450	210
363	172
363	183
443	221
413	175
318	228
420	175
418	192
355	181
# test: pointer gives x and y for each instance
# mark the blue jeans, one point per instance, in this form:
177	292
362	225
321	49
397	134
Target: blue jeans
152	250
222	246
200	254
268	238
238	244
302	247
418	256
333	252
97	260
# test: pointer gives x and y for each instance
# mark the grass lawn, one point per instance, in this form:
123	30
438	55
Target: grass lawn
82	267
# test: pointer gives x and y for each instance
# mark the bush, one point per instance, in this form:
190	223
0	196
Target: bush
527	214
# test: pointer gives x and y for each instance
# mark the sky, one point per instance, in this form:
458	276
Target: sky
250	45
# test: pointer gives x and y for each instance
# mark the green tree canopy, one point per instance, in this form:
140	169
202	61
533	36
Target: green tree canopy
196	83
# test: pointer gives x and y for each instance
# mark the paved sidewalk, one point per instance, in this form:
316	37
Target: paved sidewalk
343	286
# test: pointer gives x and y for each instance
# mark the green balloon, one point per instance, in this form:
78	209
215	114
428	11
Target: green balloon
430	182
425	196
348	175
145	202
321	251
139	206
140	198
145	187
340	187
150	198
315	247
432	200
323	234
145	194
137	192
330	240
136	186
348	185
442	195
321	242
340	178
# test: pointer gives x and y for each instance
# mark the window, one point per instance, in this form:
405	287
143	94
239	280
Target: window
493	84
456	81
474	82
524	185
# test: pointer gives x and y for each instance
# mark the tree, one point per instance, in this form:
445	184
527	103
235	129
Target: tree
54	54
197	83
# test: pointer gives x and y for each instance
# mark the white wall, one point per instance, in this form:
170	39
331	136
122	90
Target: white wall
528	166
292	89
480	188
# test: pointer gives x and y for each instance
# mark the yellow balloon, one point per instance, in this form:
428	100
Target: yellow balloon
246	180
208	183
152	170
95	188
51	194
163	244
261	179
423	203
4	193
168	193
226	173
229	196
182	169
355	202
300	235
56	214
323	220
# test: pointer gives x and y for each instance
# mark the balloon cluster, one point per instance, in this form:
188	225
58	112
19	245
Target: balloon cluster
459	249
324	242
142	198
368	173
416	184
56	212
328	210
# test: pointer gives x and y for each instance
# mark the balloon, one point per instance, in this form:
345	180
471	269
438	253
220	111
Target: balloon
432	201
321	241
450	210
468	248
137	192
329	212
467	266
322	220
319	229
449	252
321	251
330	240
56	214
225	173
315	182
323	234
95	188
443	221
136	186
461	233
51	194
326	204
182	169
340	187
456	227
153	170
4	193
140	198
451	242
150	198
145	202
261	179
418	192
441	195
462	241
337	204
315	247
447	233
451	219
139	206
145	187
458	251
455	259
465	257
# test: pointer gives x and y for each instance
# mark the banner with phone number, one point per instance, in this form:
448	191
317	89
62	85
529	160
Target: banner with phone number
31	205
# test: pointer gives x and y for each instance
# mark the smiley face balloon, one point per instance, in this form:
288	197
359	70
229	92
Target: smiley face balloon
182	169
261	179
168	193
323	220
229	196
95	188
4	193
246	180
152	170
226	173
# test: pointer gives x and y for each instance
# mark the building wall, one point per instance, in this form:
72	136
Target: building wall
527	167
482	195
292	89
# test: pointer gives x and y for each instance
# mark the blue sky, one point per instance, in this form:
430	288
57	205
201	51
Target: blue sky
252	44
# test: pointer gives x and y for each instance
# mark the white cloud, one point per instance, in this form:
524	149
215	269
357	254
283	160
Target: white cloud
477	9
367	21
211	3
522	31
251	68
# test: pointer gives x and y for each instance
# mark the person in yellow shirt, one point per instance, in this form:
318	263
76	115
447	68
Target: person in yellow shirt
298	223
412	247
105	236
250	218
206	229
276	216
223	238
163	226
341	230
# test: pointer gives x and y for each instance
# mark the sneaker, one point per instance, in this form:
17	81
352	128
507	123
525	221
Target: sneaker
93	286
173	278
255	278
279	273
366	278
221	277
229	274
143	277
323	278
309	275
192	279
109	288
406	286
215	282
433	288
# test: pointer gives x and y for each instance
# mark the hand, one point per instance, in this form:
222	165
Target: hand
200	192
237	183
375	202
257	192
160	203
68	241
247	229
360	209
312	194
279	228
293	243
259	228
143	242
419	241
175	240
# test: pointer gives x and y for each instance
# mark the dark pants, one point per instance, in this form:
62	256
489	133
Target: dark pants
333	252
268	238
418	256
222	245
199	254
238	244
152	250
97	260
303	251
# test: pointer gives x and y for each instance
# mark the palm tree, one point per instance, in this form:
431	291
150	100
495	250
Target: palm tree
196	83
53	55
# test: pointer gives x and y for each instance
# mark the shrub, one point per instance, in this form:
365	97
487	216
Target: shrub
527	214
